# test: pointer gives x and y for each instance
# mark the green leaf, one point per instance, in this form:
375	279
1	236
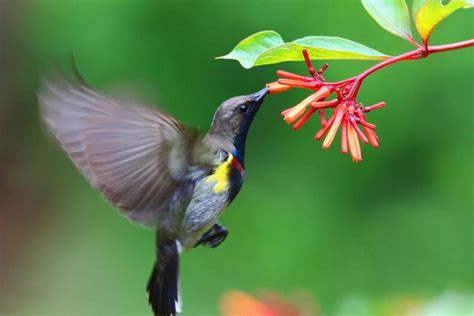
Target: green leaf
392	15
319	47
247	51
257	49
429	13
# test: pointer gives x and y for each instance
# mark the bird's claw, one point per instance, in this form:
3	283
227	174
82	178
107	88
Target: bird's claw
213	237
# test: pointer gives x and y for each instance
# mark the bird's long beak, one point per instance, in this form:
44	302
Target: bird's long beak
260	95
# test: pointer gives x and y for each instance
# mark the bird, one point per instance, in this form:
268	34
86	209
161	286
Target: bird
158	172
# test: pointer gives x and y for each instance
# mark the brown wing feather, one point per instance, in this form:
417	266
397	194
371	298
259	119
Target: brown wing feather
123	150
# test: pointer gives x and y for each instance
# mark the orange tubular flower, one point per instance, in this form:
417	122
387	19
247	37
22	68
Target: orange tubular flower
354	145
347	114
291	114
340	113
350	116
276	87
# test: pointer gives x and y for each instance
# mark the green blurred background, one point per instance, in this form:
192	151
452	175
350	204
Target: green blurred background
398	224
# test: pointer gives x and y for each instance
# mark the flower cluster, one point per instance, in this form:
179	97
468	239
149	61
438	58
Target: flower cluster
347	115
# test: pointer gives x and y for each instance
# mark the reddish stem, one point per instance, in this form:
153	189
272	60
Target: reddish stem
413	42
448	47
418	53
303	120
322	117
344	136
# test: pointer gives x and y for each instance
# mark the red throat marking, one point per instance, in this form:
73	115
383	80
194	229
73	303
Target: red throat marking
237	165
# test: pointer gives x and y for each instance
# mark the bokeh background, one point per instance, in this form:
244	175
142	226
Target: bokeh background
367	239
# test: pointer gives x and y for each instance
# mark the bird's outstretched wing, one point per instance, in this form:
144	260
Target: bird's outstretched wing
136	156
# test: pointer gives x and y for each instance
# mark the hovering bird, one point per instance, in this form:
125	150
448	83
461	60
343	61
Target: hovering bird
158	172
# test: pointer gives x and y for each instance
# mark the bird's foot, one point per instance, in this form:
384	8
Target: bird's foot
213	237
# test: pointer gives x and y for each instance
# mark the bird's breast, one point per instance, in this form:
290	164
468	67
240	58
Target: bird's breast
211	195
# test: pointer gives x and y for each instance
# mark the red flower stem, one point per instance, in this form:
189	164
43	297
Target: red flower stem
418	53
322	117
325	128
344	135
308	63
366	124
303	120
323	68
342	83
374	107
359	133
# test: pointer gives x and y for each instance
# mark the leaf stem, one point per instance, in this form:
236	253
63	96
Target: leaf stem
413	41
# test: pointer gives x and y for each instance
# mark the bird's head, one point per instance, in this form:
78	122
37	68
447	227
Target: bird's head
234	116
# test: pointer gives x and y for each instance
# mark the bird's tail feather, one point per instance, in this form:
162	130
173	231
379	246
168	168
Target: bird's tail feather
162	288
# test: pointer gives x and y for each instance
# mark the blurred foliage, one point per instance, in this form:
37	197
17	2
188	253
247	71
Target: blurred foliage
267	303
306	219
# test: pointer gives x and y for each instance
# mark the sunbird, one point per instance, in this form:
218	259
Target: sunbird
155	170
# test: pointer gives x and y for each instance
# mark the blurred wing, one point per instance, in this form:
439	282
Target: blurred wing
135	156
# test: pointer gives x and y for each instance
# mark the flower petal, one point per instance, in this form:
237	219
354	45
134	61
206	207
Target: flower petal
325	127
359	133
372	136
322	117
362	122
276	87
335	126
374	107
354	146
293	113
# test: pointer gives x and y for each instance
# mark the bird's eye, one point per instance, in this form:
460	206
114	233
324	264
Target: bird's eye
244	108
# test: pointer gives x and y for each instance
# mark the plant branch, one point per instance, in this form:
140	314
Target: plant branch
348	114
448	47
418	53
